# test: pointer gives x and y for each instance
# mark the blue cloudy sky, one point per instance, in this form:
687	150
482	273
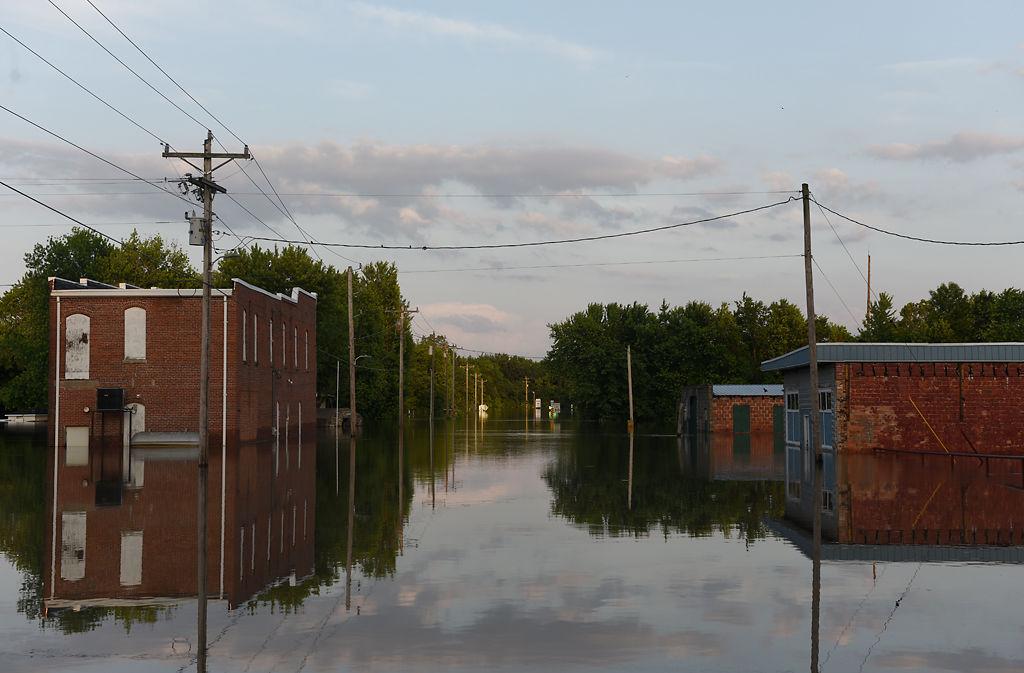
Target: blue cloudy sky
404	122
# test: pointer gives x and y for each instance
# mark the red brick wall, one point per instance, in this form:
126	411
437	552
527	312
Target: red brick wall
167	383
893	499
760	412
969	406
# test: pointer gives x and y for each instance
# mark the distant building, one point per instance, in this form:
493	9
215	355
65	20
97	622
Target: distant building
922	398
124	367
745	408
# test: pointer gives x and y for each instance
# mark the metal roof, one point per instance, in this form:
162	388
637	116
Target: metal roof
747	390
900	352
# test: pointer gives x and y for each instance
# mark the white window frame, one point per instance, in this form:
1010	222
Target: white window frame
823	395
307	349
271	342
245	329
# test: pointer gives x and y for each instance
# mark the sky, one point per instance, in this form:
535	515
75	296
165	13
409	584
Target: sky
463	123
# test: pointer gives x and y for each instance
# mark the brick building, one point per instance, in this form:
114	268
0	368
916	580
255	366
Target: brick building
124	408
748	408
921	398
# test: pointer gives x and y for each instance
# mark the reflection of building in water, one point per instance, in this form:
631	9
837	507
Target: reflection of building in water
755	408
921	398
899	499
124	363
726	456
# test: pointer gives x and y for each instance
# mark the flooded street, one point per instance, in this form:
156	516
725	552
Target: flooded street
522	546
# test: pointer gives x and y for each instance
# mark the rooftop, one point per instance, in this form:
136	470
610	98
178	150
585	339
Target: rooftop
747	390
85	287
899	352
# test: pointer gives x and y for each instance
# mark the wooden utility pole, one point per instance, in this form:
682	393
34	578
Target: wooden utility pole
482	403
207	187
466	400
868	313
476	384
403	314
353	418
451	399
431	350
526	393
629	379
812	360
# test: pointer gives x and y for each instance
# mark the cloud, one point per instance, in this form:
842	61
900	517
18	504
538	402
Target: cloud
961	148
939	64
387	192
347	89
467	318
473	31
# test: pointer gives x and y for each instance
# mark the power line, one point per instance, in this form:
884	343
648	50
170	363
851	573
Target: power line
587	264
920	239
94	224
62	213
839	296
556	195
284	208
82	86
581	239
94	155
126	66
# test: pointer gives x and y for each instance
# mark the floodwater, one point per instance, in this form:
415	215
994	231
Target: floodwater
523	546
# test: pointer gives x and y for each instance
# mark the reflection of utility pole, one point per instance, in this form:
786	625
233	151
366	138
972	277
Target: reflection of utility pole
207	187
351	519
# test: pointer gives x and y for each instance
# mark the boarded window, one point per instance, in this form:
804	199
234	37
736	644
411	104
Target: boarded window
76	347
271	341
131	558
72	545
295	347
741	418
76	445
307	350
245	328
255	339
284	345
287	427
135	333
277	437
241	551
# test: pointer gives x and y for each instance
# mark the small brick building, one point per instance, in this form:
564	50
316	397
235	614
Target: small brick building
919	398
124	367
747	408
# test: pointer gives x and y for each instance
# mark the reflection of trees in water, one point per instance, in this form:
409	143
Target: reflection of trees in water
379	519
588	485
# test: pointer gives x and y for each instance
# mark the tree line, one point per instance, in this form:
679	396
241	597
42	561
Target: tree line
154	262
697	343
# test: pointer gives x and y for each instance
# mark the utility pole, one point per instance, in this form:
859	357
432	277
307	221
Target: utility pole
431	350
207	187
476	384
403	314
353	418
812	359
868	313
482	403
451	403
466	400
629	378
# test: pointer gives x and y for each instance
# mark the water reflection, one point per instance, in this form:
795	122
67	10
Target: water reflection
543	551
610	487
137	558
